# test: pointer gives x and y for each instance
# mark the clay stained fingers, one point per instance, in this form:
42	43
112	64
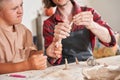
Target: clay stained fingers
41	63
64	34
58	52
41	66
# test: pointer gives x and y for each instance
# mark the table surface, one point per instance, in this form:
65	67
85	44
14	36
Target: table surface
48	73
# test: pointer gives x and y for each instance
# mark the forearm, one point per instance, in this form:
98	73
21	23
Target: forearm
13	67
101	32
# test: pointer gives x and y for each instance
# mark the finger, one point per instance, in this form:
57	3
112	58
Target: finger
63	27
58	48
85	13
40	61
58	45
58	56
66	25
33	56
37	52
82	14
83	23
58	52
39	58
82	19
41	66
62	33
61	36
40	52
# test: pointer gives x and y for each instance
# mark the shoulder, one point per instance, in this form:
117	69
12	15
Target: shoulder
49	20
21	26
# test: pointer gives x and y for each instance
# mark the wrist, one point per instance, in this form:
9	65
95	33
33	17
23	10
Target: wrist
21	66
92	26
28	64
53	60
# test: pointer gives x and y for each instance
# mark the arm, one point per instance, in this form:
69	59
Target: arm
13	67
52	45
96	25
101	32
35	62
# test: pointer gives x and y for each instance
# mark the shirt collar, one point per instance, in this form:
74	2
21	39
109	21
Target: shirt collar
76	10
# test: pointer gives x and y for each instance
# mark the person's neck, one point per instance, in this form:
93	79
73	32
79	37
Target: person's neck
66	11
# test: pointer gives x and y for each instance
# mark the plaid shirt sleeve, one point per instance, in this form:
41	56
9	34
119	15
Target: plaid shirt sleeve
47	33
97	19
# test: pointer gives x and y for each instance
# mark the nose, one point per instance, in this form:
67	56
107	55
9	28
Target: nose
20	10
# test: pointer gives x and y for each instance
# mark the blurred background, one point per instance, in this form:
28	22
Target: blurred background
34	15
109	10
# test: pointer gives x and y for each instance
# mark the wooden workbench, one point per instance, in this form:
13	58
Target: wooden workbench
57	73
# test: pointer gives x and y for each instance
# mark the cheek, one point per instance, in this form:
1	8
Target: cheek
10	18
10	14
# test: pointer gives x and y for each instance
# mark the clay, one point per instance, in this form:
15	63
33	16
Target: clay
102	73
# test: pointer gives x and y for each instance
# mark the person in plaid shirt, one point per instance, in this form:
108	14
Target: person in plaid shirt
70	32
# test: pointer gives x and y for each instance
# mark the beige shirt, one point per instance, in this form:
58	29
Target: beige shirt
15	46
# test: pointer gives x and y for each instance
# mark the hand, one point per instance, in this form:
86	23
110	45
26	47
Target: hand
37	61
61	31
84	18
54	51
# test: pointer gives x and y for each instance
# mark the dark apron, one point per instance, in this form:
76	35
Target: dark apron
77	45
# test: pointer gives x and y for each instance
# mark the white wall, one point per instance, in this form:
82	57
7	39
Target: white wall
30	14
83	2
109	10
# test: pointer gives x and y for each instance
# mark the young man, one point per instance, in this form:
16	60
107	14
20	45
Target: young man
17	51
70	32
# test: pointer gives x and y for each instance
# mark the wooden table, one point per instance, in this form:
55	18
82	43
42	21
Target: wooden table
57	73
114	60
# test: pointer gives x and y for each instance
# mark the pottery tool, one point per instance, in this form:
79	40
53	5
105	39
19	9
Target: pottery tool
66	64
60	40
17	75
91	61
76	60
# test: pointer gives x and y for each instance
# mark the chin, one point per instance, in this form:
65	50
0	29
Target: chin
18	22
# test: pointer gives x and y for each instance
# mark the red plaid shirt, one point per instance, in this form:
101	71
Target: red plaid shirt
49	25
